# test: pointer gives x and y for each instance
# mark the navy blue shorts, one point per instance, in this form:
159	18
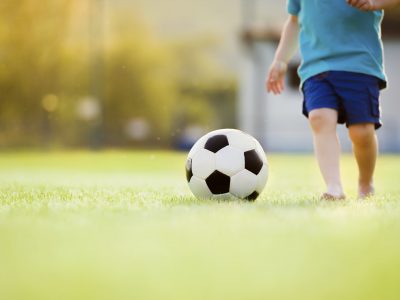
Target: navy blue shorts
354	95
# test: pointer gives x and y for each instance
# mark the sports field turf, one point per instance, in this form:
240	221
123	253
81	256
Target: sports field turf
123	225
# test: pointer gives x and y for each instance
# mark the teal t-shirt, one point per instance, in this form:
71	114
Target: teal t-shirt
337	37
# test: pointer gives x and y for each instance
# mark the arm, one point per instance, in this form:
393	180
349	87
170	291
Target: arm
286	49
367	5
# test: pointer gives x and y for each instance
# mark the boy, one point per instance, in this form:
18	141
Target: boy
341	77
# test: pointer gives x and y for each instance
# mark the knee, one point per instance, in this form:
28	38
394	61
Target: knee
320	121
362	134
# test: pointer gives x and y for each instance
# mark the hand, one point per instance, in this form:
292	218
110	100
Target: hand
276	77
365	5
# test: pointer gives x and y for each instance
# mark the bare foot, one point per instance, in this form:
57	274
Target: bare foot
366	191
329	197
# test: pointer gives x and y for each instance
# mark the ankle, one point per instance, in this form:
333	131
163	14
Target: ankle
365	184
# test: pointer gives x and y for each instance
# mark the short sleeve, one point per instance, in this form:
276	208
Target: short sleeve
293	7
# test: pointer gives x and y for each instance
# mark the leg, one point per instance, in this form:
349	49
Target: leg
327	148
365	148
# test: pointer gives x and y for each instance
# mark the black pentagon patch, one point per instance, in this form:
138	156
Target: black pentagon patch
189	172
218	183
253	196
253	162
216	143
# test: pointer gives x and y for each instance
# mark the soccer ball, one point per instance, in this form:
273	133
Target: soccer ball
225	163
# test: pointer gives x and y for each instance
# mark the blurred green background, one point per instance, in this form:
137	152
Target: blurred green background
92	73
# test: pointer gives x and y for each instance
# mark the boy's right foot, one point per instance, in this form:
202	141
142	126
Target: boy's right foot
333	192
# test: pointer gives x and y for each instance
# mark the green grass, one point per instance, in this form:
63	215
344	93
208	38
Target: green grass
123	225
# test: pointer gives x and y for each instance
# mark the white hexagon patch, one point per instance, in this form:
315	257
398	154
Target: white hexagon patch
241	140
243	184
229	160
199	188
203	163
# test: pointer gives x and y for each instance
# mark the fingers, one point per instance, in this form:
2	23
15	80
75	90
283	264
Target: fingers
270	82
274	88
274	84
365	7
275	78
355	3
360	4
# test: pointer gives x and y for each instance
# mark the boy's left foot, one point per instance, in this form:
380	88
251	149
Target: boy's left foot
366	191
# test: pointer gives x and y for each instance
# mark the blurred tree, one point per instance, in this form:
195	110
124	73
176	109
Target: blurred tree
155	87
138	83
31	39
207	93
172	86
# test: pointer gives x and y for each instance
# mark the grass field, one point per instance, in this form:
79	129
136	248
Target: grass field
123	225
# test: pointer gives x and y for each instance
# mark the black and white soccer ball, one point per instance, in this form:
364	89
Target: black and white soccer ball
225	163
